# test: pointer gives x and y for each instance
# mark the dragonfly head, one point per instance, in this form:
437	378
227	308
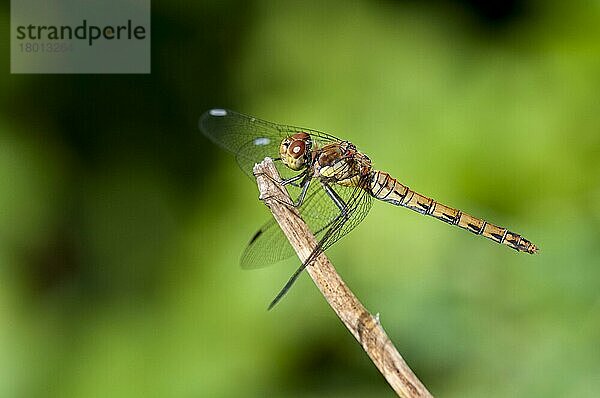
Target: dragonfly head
295	151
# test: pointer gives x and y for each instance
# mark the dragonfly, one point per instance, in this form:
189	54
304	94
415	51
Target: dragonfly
332	185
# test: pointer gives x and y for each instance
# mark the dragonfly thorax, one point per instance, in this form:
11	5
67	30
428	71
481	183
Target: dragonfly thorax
341	163
295	151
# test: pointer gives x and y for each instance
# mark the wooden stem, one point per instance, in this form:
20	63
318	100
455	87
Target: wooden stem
364	327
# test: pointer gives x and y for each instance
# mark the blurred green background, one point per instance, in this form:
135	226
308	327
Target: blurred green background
121	226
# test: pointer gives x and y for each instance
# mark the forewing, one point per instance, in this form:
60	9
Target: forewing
252	139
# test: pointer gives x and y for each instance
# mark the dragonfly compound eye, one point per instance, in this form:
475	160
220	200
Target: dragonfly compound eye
300	144
297	149
294	151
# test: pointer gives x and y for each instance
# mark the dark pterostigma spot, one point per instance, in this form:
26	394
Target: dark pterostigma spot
256	235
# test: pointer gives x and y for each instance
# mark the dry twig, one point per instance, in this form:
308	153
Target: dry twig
363	326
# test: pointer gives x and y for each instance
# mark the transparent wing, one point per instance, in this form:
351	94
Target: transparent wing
269	245
252	139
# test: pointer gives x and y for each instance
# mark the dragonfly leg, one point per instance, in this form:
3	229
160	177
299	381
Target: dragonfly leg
304	184
275	198
339	202
293	180
261	174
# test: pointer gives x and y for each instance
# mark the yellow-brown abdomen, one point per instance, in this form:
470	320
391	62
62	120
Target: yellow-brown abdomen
386	188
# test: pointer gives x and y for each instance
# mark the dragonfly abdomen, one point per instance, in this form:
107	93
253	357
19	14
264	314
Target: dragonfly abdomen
386	188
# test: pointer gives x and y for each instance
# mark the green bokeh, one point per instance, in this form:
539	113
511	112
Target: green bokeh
121	226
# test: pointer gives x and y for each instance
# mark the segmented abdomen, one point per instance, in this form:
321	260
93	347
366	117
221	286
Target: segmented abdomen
385	187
